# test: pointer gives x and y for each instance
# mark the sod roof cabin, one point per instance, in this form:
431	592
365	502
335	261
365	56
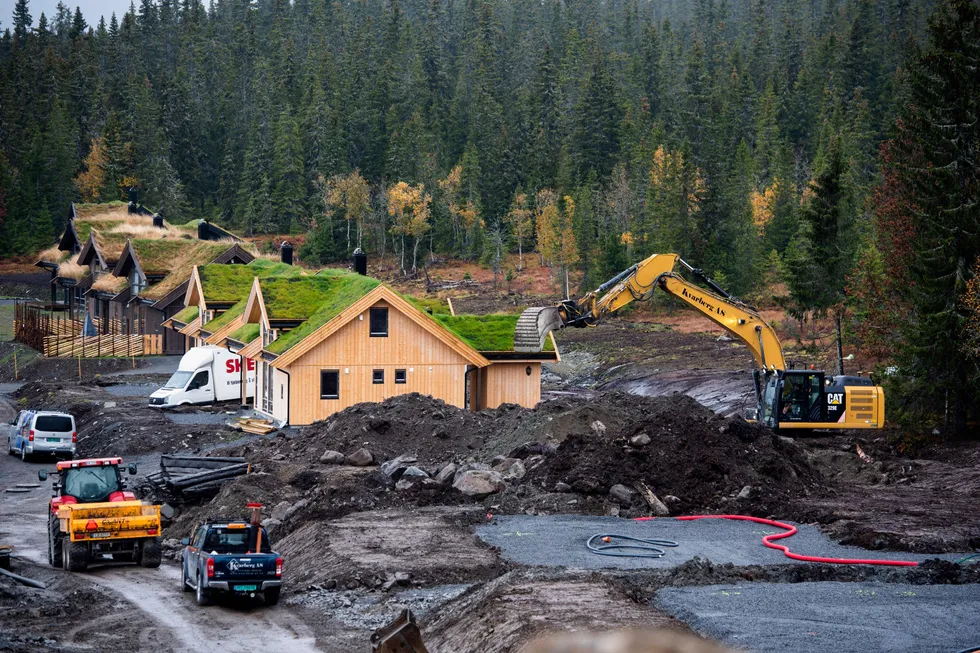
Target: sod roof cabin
329	340
130	270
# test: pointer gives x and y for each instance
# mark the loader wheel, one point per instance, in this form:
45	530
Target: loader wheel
150	553
202	595
272	595
55	543
77	556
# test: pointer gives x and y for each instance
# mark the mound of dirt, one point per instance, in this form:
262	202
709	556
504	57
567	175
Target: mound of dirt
688	452
412	423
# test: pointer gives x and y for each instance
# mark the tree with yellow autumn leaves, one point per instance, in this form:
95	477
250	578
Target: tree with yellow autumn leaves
410	208
556	238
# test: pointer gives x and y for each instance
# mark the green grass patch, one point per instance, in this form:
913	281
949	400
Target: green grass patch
7	321
316	299
225	318
432	306
230	283
245	333
484	332
189	314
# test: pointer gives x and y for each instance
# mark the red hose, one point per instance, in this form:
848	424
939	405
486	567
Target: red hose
791	531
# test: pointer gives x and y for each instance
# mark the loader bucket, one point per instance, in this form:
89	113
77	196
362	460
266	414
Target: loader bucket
533	327
400	636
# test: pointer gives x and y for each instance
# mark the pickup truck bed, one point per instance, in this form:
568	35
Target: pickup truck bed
222	558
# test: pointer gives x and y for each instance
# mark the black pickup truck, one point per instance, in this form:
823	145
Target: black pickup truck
232	556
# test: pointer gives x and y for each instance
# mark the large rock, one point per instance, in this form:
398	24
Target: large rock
478	483
621	494
396	467
514	472
360	458
640	440
446	474
462	469
598	428
502	464
332	458
279	511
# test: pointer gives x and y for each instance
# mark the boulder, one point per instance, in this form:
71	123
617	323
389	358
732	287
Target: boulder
332	458
640	440
446	474
469	467
562	487
516	471
280	510
414	472
360	458
621	494
478	483
396	467
598	428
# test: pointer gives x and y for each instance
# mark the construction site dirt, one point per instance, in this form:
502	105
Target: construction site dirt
370	516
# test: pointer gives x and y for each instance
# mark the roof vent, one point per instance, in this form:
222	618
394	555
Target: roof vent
158	221
286	251
359	261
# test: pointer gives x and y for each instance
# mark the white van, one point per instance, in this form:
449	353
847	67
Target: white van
206	374
41	431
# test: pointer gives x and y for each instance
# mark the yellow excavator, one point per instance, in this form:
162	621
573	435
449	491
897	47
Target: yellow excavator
786	398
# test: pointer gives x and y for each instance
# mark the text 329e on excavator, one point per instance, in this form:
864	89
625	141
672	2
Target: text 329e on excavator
785	398
92	516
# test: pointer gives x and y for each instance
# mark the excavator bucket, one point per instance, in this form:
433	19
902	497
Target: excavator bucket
533	327
400	636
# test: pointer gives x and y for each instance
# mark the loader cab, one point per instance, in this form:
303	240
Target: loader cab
793	396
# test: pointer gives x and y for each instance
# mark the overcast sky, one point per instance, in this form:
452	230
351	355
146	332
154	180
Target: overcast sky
91	9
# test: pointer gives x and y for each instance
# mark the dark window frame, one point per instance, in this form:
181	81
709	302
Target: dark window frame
324	395
381	310
378	377
404	376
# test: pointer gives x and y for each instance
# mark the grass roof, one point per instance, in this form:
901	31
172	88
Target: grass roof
317	300
485	332
174	258
230	283
245	333
110	284
189	314
226	318
432	306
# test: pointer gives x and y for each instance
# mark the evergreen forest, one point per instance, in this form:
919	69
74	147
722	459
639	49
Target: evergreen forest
830	145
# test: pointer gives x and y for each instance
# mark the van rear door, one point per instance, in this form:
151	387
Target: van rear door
54	431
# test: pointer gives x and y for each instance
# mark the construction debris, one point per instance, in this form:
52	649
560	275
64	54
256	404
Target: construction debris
194	476
254	426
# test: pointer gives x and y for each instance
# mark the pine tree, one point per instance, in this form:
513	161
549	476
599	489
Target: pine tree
289	196
22	22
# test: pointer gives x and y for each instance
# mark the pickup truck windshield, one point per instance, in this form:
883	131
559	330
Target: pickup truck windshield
178	380
91	484
235	541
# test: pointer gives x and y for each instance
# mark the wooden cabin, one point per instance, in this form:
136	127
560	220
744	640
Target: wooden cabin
130	271
332	340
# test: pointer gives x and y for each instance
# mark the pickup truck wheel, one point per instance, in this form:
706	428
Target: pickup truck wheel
77	556
272	595
150	553
55	543
202	595
183	578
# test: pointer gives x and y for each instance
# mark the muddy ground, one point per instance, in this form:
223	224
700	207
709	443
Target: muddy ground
362	541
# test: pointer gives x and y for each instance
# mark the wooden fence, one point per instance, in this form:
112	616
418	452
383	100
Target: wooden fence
102	345
61	336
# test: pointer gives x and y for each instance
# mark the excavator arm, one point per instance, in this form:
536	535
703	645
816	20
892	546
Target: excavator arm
638	282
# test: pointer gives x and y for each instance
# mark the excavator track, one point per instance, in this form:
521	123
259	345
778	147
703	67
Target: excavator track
533	327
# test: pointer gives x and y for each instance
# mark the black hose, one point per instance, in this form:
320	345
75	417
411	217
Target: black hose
645	548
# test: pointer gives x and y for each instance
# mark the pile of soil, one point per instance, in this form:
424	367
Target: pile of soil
704	460
429	428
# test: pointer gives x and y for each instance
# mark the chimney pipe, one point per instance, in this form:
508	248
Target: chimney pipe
359	260
133	197
158	221
286	251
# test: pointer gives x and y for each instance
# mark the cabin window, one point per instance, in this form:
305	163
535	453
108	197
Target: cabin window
378	377
329	384
399	376
379	322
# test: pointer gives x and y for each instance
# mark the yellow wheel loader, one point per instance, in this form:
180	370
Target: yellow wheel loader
785	398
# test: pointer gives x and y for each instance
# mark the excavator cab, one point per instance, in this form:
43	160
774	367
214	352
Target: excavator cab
793	396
